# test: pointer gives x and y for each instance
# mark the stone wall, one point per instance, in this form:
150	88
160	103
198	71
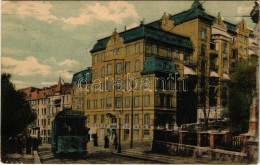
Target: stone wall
195	151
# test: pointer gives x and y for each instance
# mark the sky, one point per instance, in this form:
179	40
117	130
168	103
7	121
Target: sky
42	40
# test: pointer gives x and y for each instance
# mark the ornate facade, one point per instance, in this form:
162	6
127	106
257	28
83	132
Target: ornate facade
199	49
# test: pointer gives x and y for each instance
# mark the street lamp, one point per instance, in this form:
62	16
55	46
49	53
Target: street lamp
119	132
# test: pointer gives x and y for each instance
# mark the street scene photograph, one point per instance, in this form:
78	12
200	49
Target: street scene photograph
130	82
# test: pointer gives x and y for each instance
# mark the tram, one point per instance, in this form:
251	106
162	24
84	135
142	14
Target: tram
68	133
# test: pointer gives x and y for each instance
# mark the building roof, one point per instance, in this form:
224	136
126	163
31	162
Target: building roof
196	11
33	93
83	77
144	31
158	65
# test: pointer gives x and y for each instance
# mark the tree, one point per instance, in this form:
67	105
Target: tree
16	112
241	91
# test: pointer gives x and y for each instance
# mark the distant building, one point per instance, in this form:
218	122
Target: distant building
201	49
46	103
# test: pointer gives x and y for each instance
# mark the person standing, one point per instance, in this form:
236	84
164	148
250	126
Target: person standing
106	142
115	142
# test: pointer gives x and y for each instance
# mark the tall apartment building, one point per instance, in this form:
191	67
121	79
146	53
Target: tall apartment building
46	103
199	49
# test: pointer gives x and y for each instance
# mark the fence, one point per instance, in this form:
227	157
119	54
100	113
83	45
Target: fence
233	144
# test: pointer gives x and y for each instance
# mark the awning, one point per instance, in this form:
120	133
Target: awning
189	71
225	76
251	52
213	74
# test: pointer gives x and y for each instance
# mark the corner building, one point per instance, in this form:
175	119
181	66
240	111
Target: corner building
194	47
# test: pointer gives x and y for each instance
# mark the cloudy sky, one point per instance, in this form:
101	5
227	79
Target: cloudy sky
44	40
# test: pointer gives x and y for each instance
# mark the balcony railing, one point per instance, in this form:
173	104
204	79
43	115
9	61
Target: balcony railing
213	67
190	62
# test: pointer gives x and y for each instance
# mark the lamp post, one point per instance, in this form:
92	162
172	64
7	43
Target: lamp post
119	132
132	116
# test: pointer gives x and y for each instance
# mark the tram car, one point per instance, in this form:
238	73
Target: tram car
68	133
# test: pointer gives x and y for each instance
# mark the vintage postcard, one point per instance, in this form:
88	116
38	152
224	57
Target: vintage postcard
130	82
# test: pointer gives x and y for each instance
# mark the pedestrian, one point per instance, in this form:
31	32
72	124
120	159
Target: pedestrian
95	140
115	142
28	145
19	145
35	144
106	142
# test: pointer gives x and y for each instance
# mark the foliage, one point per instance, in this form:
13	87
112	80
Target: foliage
241	91
16	112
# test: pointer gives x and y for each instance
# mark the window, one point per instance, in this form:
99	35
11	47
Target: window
154	49
245	51
88	104
95	73
126	119
96	58
241	50
118	68
225	63
147	82
115	52
109	69
146	119
136	121
146	134
108	102
126	134
136	133
204	34
49	122
103	72
119	84
203	50
102	102
137	83
136	101
95	103
102	118
177	54
127	50
137	47
147	100
103	57
103	87
169	53
88	88
118	102
137	65
127	101
127	67
79	103
88	119
127	85
108	86
95	118
225	48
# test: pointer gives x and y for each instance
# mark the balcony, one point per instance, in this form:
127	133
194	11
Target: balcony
190	63
214	67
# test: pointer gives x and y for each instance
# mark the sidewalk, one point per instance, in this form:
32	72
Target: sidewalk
18	158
